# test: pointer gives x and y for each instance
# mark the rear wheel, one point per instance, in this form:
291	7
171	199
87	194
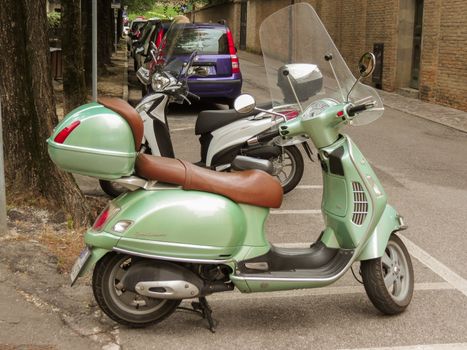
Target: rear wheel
126	307
288	168
389	280
111	188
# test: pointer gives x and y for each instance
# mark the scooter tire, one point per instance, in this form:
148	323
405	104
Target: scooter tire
298	167
111	189
105	293
393	299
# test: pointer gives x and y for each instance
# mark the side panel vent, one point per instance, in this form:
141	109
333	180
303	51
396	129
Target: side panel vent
360	204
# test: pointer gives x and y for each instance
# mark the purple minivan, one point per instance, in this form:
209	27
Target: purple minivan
216	51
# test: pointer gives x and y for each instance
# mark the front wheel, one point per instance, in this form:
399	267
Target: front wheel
288	168
389	280
128	308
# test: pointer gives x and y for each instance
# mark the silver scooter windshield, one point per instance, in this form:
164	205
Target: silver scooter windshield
298	51
168	58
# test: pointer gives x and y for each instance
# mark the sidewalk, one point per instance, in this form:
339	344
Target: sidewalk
450	117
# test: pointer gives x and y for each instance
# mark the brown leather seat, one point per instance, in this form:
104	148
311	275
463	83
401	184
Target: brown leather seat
130	114
253	187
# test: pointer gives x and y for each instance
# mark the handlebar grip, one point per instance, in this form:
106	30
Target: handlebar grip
355	109
196	97
268	136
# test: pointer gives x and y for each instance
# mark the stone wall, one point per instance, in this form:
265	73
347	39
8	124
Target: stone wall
356	25
229	12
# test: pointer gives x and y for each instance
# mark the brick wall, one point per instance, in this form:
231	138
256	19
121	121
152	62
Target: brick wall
444	54
355	25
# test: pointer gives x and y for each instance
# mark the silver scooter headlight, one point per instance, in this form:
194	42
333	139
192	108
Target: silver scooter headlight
159	82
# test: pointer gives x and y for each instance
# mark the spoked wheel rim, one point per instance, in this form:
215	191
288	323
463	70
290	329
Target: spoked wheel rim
126	300
396	272
285	167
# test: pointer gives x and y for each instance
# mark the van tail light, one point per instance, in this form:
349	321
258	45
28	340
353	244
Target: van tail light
62	135
233	53
159	37
104	217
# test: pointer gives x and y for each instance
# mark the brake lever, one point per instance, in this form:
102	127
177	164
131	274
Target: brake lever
186	99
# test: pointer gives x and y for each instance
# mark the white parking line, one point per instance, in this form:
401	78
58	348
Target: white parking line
436	266
182	129
309	187
451	346
297	211
236	295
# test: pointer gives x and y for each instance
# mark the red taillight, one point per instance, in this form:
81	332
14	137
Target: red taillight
290	114
233	53
101	219
108	213
62	135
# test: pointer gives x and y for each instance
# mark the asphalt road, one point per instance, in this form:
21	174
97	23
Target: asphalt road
422	166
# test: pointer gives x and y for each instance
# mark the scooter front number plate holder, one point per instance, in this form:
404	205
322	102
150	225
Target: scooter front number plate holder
79	263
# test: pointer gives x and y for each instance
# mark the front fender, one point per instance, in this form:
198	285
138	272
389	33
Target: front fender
389	223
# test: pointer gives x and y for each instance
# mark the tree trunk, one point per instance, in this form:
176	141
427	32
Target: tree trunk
74	86
120	23
104	39
29	111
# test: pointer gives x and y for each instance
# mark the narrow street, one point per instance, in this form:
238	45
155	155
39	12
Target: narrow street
422	166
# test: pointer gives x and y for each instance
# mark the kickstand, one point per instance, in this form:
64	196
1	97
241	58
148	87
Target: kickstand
205	310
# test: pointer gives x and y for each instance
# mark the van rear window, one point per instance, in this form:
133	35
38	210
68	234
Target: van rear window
208	41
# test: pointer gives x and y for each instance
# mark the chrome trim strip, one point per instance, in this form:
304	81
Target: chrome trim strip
65	147
171	258
167	244
284	279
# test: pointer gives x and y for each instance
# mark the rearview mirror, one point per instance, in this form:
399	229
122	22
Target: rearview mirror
366	65
244	104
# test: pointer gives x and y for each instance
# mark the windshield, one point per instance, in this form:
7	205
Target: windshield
208	41
170	45
298	50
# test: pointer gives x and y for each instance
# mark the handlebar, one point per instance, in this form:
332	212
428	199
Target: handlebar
196	97
359	108
263	137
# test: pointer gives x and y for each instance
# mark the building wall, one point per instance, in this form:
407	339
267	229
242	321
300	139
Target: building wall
229	12
356	25
444	54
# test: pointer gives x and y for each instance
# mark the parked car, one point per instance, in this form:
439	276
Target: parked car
134	32
141	48
216	52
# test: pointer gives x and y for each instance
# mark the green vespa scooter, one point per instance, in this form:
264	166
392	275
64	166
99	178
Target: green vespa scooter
185	232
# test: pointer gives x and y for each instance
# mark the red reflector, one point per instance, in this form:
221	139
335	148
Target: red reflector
101	219
340	113
62	135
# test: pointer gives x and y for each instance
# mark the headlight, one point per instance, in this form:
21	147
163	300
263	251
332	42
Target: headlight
159	82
